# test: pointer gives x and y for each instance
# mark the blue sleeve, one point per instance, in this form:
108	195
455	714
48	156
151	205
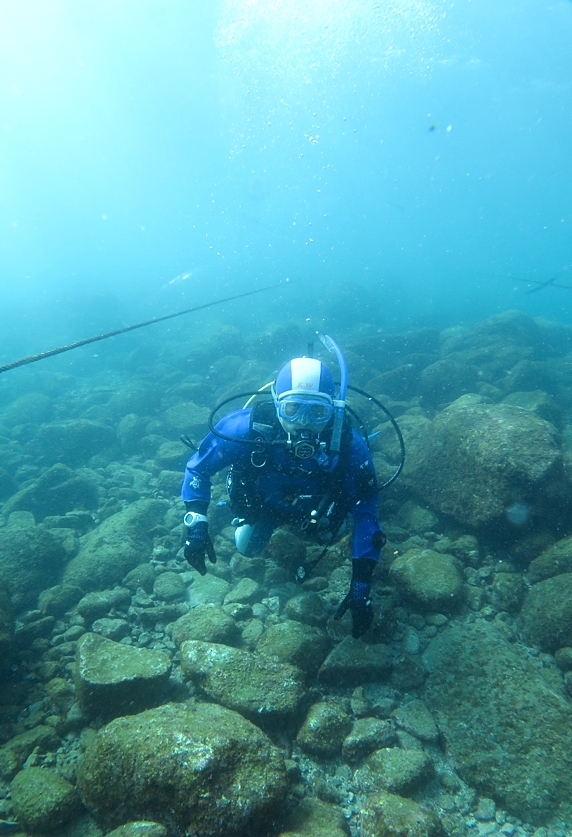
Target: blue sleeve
363	501
214	454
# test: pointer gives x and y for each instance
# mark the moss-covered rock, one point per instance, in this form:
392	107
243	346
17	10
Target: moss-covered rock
187	417
546	614
44	801
555	560
300	645
416	519
314	818
416	719
171	456
60	692
563	658
143	575
430	578
367	735
262	690
134	396
57	600
477	460
98	604
57	491
324	729
352	663
307	608
207	589
15	752
169	587
390	815
115	547
73	442
246	591
207	623
539	403
195	768
112	679
508	591
31	559
447	379
507	727
31	407
399	771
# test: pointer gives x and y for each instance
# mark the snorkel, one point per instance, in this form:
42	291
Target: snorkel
340	402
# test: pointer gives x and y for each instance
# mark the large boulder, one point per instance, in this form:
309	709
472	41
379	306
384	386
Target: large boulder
396	770
507	727
352	663
187	417
72	442
31	559
292	642
447	379
195	767
390	815
57	491
315	818
115	547
262	690
113	679
552	561
324	729
13	755
477	461
431	579
208	623
546	614
44	801
32	407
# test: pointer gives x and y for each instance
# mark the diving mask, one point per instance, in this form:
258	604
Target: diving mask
304	411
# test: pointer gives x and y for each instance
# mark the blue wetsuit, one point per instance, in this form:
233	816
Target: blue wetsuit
290	488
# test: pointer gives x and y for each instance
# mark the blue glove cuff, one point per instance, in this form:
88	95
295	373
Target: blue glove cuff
199	532
360	590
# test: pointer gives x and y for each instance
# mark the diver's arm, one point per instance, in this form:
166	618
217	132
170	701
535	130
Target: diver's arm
367	538
213	455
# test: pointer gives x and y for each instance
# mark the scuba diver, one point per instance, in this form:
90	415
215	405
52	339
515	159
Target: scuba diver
295	459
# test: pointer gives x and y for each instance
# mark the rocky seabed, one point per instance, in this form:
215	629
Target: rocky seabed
139	698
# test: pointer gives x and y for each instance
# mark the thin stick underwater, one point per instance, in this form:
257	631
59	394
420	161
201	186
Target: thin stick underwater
60	349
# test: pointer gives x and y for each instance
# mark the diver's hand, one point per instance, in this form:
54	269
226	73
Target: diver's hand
198	544
359	603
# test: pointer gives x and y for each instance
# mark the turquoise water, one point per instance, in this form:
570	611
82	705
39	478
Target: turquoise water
418	150
398	176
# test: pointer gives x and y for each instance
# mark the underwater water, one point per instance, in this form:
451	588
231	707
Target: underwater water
396	175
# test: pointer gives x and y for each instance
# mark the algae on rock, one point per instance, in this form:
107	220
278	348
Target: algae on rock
195	767
116	546
112	679
507	728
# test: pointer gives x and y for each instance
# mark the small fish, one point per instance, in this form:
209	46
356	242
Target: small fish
7	827
182	277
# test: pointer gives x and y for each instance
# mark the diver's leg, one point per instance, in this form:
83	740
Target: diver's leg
250	539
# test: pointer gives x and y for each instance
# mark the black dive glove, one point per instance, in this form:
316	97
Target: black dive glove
198	542
357	600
